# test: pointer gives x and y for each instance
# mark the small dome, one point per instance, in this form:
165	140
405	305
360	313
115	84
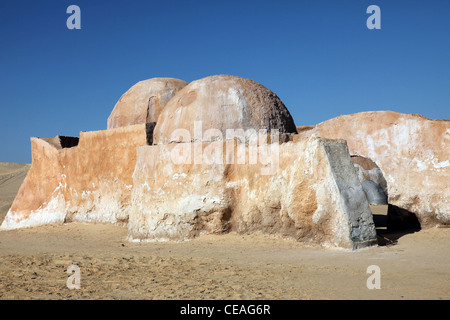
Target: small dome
222	102
144	101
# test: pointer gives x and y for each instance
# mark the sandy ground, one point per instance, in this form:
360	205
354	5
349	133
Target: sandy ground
34	261
11	177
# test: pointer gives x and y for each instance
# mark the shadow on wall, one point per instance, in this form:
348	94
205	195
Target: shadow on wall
61	142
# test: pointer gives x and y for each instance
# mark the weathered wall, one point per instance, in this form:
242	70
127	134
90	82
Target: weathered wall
39	200
88	182
413	153
308	191
312	195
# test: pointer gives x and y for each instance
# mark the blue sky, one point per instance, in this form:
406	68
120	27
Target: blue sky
318	56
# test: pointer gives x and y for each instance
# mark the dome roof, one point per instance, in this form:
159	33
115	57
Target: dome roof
144	101
222	102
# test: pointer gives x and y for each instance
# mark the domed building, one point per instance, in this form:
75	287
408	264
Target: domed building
304	189
144	101
221	102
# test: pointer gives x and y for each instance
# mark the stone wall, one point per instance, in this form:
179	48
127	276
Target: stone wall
412	152
88	182
309	193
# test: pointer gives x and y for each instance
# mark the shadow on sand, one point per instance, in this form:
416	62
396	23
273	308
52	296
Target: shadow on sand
395	224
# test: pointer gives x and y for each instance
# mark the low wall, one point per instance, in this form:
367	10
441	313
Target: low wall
88	182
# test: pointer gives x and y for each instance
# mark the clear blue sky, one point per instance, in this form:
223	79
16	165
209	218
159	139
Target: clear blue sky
317	55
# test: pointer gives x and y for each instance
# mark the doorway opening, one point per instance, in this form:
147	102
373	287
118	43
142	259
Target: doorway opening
391	222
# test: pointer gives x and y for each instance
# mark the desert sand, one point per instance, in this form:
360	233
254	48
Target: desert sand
231	266
11	177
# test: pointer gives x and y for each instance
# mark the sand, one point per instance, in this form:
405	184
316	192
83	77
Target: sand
231	266
11	177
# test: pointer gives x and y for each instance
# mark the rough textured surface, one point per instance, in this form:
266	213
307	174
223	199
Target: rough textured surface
219	267
412	152
374	193
144	101
88	182
352	195
219	103
313	196
366	169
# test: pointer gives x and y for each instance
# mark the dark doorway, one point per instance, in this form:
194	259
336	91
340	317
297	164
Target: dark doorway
392	223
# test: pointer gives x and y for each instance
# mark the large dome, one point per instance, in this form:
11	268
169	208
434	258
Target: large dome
221	102
144	101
